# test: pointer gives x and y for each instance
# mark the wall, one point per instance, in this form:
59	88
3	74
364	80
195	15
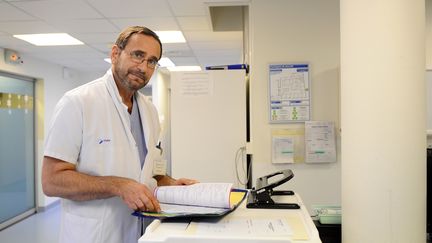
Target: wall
50	86
429	107
161	98
296	31
428	34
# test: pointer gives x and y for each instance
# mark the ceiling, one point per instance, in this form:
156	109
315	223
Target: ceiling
98	22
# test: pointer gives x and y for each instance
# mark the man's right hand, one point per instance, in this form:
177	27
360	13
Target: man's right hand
138	196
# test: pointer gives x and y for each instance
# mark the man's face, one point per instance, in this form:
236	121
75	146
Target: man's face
128	72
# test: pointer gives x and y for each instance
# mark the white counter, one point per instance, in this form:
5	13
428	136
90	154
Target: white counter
238	227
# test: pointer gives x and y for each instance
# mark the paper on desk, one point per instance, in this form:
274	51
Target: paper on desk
289	226
298	227
243	227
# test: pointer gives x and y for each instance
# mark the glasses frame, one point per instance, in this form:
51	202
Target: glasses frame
135	57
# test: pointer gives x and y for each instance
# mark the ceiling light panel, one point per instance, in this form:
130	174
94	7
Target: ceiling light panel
166	62
171	36
184	68
53	39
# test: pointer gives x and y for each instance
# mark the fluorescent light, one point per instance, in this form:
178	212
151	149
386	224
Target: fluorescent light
108	60
171	36
53	39
184	68
166	62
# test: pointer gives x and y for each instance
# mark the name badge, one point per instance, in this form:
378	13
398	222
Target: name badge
159	167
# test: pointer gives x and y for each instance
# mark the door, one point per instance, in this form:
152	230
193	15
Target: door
17	164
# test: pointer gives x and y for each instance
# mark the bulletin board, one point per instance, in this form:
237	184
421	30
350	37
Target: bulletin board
289	93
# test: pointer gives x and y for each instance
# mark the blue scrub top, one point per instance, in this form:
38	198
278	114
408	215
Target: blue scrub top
138	131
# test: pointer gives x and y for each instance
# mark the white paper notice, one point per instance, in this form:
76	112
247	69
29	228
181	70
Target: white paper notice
283	149
320	142
246	227
196	84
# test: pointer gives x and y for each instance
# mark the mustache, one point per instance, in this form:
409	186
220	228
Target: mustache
139	74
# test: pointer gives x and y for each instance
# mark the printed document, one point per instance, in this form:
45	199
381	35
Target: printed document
320	141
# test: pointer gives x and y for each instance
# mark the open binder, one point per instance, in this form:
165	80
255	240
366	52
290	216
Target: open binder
191	210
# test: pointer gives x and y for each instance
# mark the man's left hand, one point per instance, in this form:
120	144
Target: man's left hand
184	181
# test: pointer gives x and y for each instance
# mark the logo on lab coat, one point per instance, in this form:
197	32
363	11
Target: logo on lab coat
104	140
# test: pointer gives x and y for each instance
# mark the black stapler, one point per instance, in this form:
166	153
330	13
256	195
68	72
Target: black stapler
260	197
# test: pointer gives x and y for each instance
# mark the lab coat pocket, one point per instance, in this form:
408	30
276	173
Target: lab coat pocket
80	229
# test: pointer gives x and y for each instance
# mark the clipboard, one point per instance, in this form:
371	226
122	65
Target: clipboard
260	197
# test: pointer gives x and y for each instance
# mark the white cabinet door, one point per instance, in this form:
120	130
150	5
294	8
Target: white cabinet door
208	124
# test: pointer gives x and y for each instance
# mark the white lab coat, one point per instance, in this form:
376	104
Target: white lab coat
91	129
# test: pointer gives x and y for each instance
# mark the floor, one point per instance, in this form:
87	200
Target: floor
39	228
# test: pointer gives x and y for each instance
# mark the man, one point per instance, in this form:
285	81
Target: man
102	146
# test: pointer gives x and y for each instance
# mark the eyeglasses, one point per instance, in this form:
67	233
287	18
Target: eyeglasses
139	57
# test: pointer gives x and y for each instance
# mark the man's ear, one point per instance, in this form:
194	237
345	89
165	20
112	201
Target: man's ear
115	53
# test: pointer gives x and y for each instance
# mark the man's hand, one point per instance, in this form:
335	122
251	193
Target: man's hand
164	180
184	181
138	196
61	179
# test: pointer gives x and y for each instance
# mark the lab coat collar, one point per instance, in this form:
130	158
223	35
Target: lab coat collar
145	115
122	109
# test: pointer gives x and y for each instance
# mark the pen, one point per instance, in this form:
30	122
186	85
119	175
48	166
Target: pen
159	146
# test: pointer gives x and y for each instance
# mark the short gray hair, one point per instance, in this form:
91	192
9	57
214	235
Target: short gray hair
124	36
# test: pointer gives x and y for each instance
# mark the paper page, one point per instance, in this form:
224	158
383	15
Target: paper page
183	209
288	144
178	211
196	84
236	197
244	227
283	149
298	226
320	141
200	194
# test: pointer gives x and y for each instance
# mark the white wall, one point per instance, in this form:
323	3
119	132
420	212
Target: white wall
429	107
161	98
428	35
50	86
296	31
385	53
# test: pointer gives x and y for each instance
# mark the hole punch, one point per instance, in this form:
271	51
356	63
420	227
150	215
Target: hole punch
260	197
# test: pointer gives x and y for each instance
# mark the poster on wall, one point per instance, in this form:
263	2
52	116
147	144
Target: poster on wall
288	145
320	142
289	87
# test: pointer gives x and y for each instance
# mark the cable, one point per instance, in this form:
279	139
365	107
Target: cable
240	155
